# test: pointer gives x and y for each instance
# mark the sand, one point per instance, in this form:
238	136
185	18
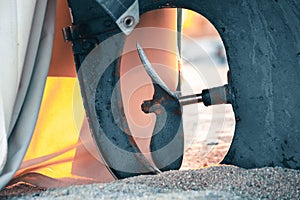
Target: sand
219	182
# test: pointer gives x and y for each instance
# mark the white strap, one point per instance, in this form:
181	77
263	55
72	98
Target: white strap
3	137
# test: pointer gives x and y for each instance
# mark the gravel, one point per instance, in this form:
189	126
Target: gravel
219	182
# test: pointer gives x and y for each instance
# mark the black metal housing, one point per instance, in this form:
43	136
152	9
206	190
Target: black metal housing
262	41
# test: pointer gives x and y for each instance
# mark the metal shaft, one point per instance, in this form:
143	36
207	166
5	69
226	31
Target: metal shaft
190	99
212	96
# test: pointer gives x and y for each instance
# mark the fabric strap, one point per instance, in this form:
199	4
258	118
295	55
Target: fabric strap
29	79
